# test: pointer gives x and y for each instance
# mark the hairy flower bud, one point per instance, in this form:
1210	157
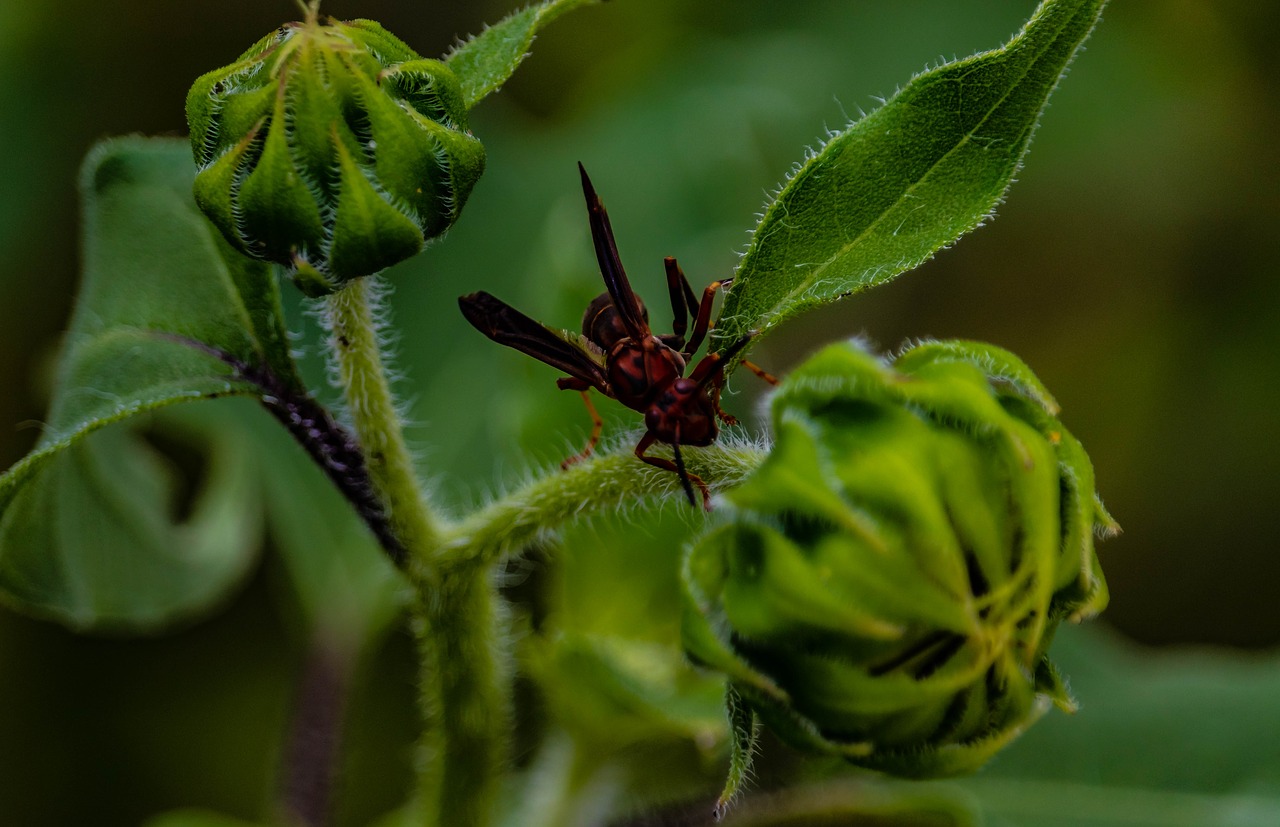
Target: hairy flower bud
892	575
331	148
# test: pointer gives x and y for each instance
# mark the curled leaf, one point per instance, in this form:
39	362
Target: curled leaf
92	526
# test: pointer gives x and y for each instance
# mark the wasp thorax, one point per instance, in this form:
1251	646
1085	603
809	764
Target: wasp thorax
889	581
333	149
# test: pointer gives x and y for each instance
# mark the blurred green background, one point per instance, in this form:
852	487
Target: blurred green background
1133	267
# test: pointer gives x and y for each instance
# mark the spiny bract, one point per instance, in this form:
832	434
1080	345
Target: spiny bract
890	578
333	149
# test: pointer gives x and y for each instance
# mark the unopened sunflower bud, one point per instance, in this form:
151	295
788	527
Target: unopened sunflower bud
891	576
333	149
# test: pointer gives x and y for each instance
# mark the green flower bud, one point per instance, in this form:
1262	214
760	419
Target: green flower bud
892	574
333	149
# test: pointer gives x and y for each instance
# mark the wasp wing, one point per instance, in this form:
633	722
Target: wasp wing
560	349
615	278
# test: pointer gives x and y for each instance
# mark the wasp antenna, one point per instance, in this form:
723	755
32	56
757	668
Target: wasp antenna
587	189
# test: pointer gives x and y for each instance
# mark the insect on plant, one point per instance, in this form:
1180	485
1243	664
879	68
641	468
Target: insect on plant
621	357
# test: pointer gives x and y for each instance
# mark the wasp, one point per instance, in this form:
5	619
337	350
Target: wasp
619	356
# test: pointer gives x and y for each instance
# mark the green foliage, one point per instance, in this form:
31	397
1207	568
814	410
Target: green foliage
485	61
171	511
161	294
974	422
615	695
1178	737
196	818
744	733
169	312
861	801
884	195
891	577
134	556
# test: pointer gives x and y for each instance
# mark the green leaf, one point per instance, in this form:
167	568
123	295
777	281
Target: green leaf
345	585
619	693
883	196
1163	738
196	818
102	537
162	294
484	62
167	313
858	801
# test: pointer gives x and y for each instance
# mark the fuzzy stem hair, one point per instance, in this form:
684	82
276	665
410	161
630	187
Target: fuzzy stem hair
603	484
361	373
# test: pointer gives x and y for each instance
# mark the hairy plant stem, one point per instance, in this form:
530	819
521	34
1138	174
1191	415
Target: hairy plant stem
466	683
463	673
605	483
353	340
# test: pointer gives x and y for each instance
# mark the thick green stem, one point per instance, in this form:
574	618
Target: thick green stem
371	405
465	694
463	664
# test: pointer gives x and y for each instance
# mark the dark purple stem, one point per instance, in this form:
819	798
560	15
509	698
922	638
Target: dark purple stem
315	734
330	445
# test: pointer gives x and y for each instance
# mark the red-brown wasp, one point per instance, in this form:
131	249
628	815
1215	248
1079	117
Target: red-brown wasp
619	356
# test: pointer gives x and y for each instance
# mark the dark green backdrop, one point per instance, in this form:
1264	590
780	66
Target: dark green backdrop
1134	267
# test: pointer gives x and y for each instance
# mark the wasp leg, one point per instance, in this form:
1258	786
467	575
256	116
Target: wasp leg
686	479
569	384
710	372
759	371
726	418
702	324
683	302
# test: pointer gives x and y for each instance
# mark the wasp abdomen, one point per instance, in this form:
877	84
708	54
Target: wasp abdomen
602	323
